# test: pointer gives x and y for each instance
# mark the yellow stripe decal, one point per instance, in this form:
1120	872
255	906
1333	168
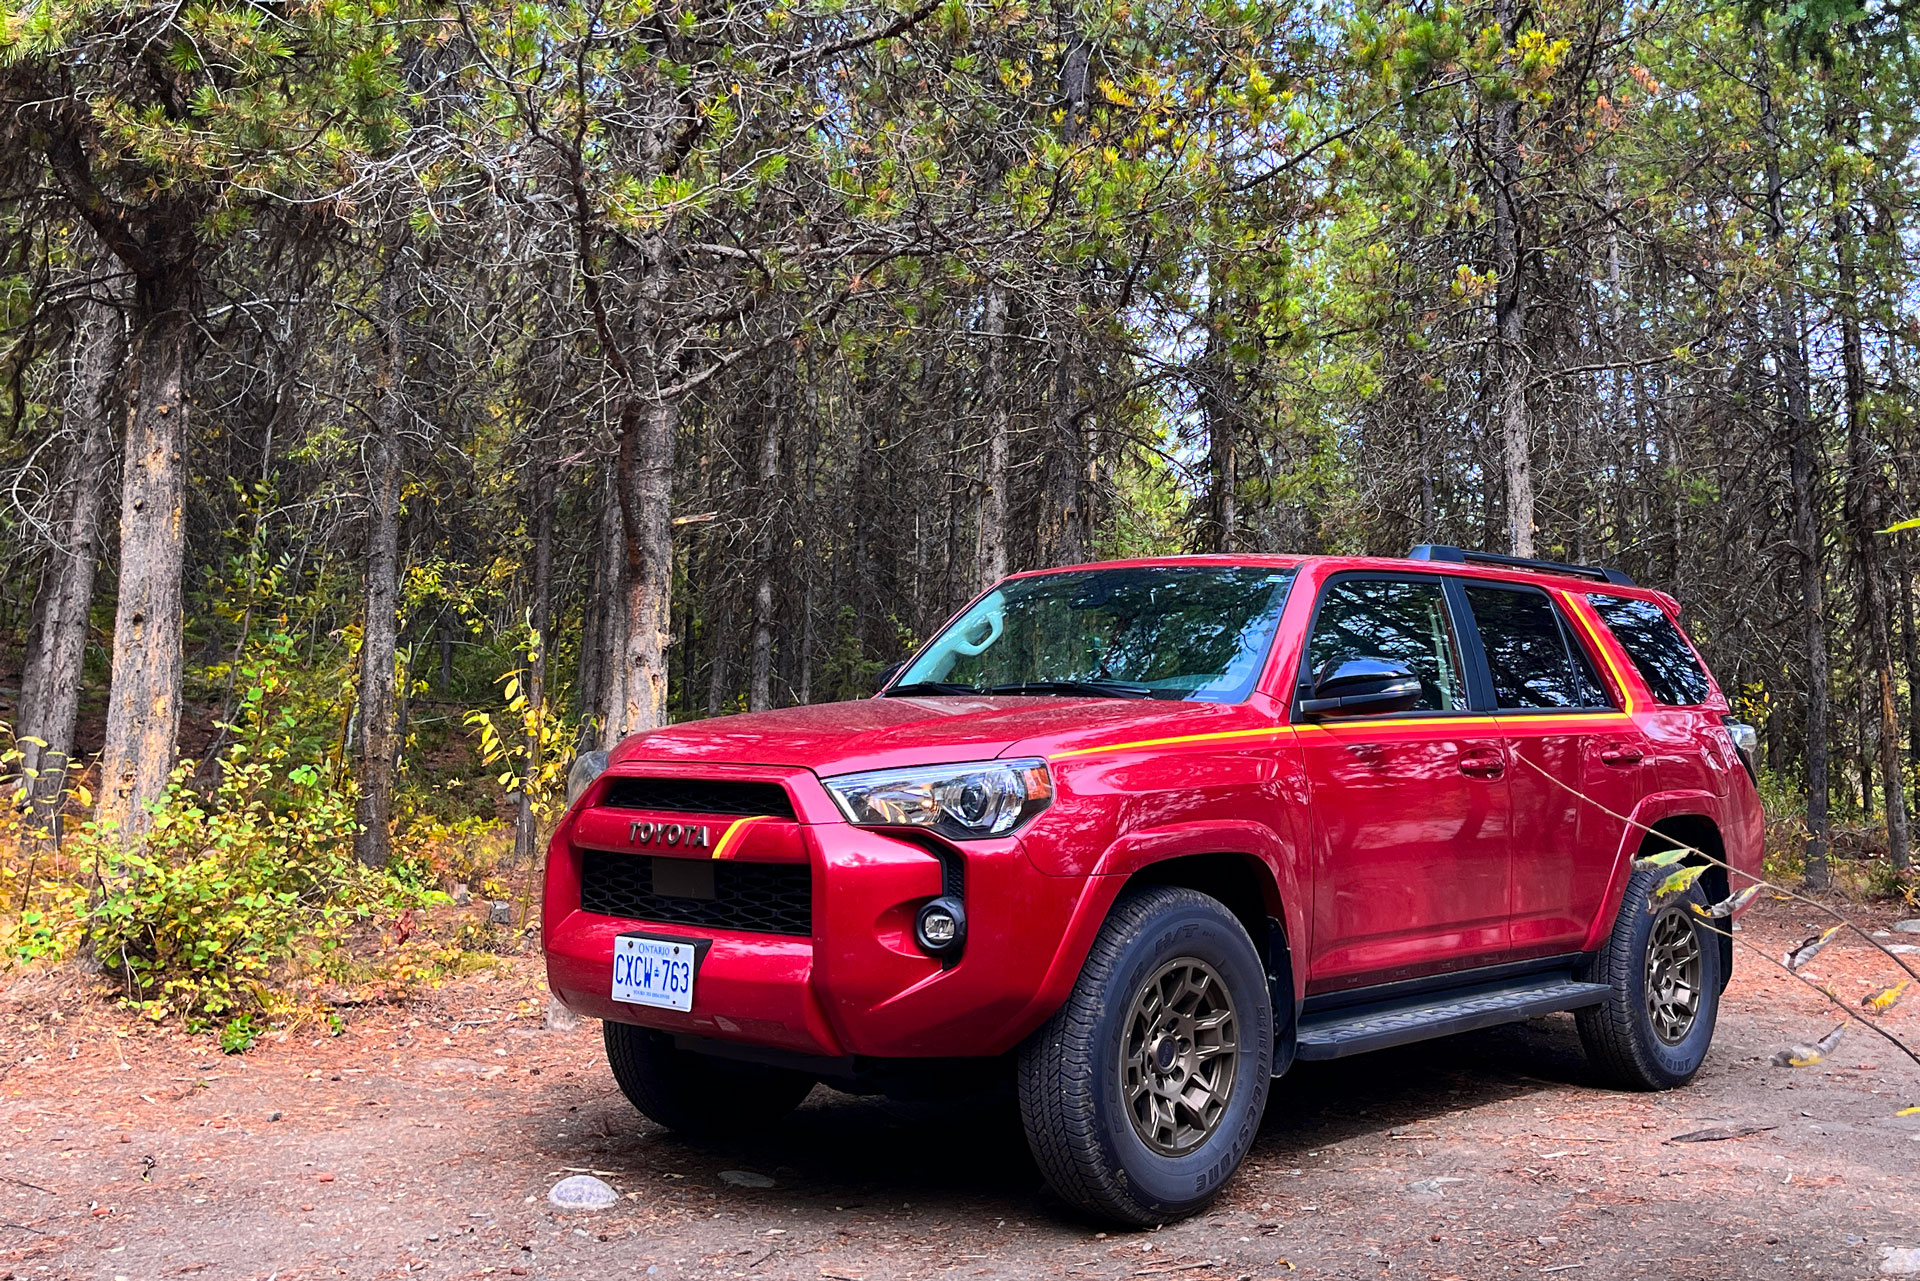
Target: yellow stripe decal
1215	737
730	837
1489	721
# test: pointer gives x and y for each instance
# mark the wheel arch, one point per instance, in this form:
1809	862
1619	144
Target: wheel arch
1693	831
1246	886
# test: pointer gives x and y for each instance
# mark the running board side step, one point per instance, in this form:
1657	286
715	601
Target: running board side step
1358	1029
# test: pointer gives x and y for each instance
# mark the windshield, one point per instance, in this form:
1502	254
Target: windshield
1165	631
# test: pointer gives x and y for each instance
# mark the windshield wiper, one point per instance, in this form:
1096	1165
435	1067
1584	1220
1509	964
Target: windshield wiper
915	688
1085	689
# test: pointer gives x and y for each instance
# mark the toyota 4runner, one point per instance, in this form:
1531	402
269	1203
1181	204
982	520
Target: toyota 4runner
1147	832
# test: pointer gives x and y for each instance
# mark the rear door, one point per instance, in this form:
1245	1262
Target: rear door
1690	750
1579	762
1409	810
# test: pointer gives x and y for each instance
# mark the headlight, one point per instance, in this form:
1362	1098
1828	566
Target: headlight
585	768
986	798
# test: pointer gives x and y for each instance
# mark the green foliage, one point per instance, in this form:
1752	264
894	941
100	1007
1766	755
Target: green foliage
237	1035
197	917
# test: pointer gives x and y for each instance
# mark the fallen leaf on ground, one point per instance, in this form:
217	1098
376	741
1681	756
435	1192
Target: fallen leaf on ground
1715	1134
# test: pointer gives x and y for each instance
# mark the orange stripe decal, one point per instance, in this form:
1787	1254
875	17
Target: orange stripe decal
1580	611
731	837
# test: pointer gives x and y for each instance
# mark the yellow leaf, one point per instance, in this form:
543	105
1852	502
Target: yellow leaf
86	797
1665	858
1681	881
1908	1112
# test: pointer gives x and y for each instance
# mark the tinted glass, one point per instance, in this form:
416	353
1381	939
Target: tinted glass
1657	648
1182	632
1592	692
1526	651
1397	619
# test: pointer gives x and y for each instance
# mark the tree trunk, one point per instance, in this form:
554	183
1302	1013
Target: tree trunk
767	479
996	394
1510	307
1864	503
1064	531
379	638
1217	529
1790	347
1910	646
50	685
526	826
637	692
143	709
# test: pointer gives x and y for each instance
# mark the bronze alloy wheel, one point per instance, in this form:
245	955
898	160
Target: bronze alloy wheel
1673	975
1177	1062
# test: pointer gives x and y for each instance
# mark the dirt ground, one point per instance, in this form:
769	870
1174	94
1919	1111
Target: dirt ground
424	1138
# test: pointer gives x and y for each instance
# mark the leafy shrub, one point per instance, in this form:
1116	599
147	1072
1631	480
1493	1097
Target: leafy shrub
196	916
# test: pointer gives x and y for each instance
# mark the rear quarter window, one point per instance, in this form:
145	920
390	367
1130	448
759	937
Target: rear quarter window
1658	650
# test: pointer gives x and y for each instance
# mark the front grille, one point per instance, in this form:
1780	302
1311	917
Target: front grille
698	796
759	898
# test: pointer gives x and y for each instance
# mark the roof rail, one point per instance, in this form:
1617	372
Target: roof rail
1458	556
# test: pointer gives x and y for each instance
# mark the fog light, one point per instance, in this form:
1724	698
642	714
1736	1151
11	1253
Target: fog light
941	928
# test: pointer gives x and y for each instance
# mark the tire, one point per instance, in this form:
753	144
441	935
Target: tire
1626	1040
1101	1060
698	1095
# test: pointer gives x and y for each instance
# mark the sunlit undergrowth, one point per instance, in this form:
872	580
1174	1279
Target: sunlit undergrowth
244	903
1857	859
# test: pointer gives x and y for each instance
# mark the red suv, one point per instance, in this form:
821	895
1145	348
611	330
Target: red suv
1146	832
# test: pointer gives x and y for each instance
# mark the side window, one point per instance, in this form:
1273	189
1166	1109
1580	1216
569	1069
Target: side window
1593	693
1398	619
1657	649
1527	651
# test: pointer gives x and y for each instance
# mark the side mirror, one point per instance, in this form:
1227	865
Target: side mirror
1349	686
885	678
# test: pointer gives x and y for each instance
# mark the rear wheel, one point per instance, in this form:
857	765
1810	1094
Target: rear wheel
1143	1093
1663	965
697	1094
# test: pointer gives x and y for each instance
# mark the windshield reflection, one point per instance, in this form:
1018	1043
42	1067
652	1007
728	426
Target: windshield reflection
1164	631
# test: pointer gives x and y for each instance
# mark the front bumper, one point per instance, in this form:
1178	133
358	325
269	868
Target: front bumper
858	985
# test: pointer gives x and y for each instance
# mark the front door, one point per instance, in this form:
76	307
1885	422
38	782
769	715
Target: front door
1409	811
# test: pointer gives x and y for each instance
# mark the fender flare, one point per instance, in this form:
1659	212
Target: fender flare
1284	909
1693	803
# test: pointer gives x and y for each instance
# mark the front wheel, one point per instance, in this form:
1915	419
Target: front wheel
1143	1093
1662	963
696	1094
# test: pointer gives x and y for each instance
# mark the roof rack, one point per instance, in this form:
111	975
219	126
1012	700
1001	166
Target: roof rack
1459	556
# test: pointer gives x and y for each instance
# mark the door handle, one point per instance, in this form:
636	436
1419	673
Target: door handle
1483	764
1625	755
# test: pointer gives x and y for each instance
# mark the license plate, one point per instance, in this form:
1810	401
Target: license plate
656	971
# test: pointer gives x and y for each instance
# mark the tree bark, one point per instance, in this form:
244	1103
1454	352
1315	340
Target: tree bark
1510	307
637	692
143	708
1790	362
1864	502
379	638
1064	528
767	479
50	685
526	829
995	398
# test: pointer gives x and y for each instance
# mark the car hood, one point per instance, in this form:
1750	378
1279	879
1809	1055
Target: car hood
880	733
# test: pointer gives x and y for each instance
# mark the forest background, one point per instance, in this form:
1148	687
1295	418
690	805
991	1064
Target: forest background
400	396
